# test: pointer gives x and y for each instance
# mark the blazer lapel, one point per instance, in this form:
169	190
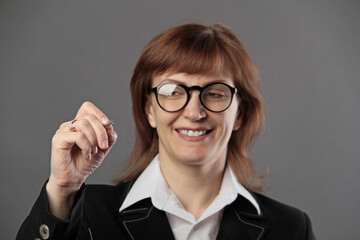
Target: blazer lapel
240	220
143	221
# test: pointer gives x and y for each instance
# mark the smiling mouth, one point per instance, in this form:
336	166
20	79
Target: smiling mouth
193	133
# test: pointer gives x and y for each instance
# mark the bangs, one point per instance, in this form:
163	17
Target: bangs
190	52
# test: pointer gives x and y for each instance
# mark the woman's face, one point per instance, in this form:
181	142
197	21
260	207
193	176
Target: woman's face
207	143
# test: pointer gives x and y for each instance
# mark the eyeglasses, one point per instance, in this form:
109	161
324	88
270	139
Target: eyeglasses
215	97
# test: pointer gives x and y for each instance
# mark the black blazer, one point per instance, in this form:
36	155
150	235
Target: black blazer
96	216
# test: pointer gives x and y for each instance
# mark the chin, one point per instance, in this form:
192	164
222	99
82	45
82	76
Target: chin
193	157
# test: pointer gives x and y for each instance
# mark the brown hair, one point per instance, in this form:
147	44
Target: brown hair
198	49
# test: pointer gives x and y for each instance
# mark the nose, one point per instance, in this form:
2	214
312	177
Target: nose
194	110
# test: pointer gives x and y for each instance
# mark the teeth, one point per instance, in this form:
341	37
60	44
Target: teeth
191	133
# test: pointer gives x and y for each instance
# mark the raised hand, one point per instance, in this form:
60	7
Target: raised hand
78	148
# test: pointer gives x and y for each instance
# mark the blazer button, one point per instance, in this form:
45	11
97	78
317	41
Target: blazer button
44	231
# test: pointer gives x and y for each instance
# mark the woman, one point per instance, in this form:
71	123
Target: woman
197	109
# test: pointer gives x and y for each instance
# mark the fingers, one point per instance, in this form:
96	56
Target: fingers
88	108
66	140
93	130
84	139
86	127
112	138
91	123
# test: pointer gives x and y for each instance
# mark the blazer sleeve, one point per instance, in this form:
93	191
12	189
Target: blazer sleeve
41	224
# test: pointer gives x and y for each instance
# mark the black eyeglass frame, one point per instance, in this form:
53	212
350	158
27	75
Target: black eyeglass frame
198	88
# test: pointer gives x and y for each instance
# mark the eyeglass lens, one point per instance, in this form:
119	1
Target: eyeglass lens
173	97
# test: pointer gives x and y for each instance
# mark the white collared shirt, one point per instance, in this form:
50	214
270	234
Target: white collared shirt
151	183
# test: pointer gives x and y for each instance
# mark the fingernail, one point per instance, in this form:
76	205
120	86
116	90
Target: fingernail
104	144
94	150
104	120
89	156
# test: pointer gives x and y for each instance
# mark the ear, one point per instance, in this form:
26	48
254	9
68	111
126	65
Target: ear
238	121
150	113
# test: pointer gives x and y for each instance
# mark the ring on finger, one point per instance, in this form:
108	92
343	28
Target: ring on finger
72	126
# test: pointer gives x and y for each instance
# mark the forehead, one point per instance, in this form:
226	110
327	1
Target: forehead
193	79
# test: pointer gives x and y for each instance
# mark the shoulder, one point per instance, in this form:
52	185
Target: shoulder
281	221
281	213
271	205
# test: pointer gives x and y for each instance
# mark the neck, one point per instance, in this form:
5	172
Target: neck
196	186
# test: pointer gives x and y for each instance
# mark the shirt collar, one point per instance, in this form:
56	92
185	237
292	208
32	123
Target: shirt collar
151	184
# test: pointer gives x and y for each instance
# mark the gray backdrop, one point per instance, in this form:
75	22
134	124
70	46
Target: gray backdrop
56	54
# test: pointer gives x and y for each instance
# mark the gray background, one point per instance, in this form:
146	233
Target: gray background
56	54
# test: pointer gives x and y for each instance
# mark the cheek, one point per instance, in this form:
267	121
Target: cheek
232	120
160	119
165	120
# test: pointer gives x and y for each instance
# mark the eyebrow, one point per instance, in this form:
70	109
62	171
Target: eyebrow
166	80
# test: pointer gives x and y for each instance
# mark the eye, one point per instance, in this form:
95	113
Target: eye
171	91
175	93
215	94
